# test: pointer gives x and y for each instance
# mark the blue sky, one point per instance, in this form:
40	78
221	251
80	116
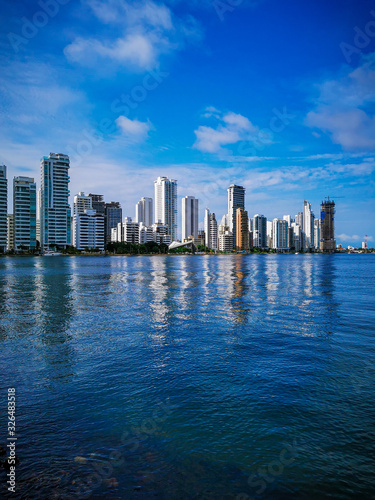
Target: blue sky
276	96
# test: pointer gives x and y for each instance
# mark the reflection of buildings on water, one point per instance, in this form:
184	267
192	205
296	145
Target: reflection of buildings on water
54	305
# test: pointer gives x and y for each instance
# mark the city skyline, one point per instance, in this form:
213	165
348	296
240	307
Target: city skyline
280	121
302	233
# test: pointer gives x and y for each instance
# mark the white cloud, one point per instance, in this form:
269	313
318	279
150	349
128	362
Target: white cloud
346	237
344	108
142	32
133	129
134	50
231	129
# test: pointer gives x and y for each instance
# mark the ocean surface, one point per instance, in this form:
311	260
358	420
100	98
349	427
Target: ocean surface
190	377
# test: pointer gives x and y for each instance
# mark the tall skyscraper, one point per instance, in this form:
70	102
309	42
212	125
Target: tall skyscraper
113	216
327	229
210	230
259	227
144	211
24	213
3	208
236	199
308	227
190	210
166	204
243	233
55	216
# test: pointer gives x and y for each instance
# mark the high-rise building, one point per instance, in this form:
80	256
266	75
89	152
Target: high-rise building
10	240
3	208
144	211
308	227
113	217
243	233
190	211
210	230
280	235
98	203
259	227
327	231
166	204
236	199
55	216
24	213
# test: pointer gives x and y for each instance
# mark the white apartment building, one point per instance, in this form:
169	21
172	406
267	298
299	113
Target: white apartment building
88	225
88	230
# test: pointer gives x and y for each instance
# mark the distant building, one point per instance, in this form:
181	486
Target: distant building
259	229
236	199
308	227
146	234
225	236
210	230
161	233
113	217
201	237
280	235
225	241
166	204
88	225
3	208
242	228
317	233
55	215
190	212
98	203
88	230
81	203
327	231
296	241
24	213
144	211
130	231
269	233
10	240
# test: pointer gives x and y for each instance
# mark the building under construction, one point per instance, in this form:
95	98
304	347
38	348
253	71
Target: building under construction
327	234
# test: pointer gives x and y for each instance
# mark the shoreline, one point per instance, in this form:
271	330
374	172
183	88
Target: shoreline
186	254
